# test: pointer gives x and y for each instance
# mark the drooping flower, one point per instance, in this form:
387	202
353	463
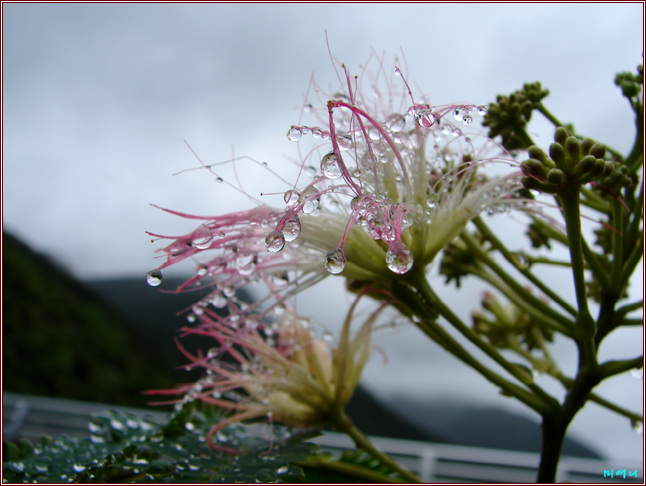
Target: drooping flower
279	370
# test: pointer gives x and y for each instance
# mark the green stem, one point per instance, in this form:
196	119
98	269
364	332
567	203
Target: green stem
538	400
519	294
584	327
497	244
343	423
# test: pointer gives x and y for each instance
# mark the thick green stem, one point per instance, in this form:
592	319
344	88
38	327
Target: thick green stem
343	423
584	327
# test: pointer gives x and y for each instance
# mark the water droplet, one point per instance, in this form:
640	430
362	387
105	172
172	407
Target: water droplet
246	264
467	120
398	123
637	373
294	134
280	279
344	140
290	196
460	113
309	199
292	229
317	132
229	291
335	261
41	468
203	242
154	278
401	261
282	470
424	118
330	166
219	180
77	468
482	110
373	133
637	426
397	72
190	426
275	241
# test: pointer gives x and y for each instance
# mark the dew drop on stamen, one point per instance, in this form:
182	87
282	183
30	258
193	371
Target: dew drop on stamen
373	133
202	243
398	124
317	132
246	264
424	118
344	141
310	203
154	278
482	110
457	114
330	166
335	261
401	261
467	120
275	241
219	180
292	229
637	426
290	196
294	134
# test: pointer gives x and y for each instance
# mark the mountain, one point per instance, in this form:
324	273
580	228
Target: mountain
61	339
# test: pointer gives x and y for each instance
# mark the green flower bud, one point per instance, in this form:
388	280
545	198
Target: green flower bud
587	164
573	147
560	135
598	150
533	167
586	143
535	152
557	153
555	176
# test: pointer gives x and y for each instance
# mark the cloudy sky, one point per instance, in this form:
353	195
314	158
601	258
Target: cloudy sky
98	100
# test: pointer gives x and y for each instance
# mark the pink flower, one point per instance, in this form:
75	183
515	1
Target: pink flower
390	181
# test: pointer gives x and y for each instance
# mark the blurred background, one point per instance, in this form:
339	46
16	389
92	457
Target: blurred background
98	100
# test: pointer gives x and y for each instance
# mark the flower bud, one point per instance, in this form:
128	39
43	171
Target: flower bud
573	148
535	152
598	150
560	135
557	153
587	164
586	144
533	167
555	176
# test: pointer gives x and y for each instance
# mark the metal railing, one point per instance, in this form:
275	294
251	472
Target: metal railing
31	417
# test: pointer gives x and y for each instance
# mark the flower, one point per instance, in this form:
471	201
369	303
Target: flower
276	369
389	183
392	181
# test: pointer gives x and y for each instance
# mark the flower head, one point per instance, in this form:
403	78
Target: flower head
389	183
278	370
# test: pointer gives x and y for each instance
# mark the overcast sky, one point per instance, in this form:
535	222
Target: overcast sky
98	100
